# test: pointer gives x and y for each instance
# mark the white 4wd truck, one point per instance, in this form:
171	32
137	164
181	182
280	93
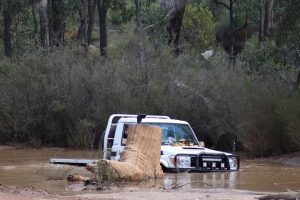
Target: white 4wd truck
180	149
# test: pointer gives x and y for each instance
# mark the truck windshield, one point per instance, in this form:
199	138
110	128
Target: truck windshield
173	134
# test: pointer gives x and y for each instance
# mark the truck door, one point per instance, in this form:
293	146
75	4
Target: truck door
119	141
109	141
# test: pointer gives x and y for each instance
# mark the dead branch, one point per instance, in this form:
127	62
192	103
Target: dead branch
159	22
242	27
177	186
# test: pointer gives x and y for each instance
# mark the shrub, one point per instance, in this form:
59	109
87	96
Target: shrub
198	27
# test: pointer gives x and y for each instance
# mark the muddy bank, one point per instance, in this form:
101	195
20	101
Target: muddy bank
193	194
292	159
19	193
23	193
4	147
134	193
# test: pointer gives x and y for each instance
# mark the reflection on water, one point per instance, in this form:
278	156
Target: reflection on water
31	168
253	175
201	180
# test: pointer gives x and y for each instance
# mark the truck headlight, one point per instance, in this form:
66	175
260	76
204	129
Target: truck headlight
172	159
233	163
183	161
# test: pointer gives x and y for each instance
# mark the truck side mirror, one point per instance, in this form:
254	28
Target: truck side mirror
201	144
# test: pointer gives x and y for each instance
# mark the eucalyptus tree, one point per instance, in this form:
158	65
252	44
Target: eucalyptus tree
231	46
103	6
86	10
83	28
7	32
91	19
176	8
53	14
14	14
266	19
288	37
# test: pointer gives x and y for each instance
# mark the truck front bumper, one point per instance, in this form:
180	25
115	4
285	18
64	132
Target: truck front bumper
205	163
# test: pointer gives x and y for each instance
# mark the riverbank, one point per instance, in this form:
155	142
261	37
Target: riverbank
23	193
129	193
292	159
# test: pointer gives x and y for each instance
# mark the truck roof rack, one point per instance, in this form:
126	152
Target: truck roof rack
113	119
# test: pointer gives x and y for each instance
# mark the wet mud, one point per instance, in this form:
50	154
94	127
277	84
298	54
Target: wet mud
30	167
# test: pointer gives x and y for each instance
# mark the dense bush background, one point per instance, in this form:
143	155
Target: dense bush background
63	97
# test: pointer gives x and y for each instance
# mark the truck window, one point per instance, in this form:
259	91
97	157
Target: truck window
124	135
175	132
111	136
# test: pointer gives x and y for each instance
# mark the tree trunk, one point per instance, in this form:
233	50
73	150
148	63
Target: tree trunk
82	31
175	24
7	18
58	22
137	15
35	23
268	21
50	22
261	23
91	12
297	84
102	11
44	24
232	54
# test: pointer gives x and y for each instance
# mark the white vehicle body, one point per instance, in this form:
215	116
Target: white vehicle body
174	158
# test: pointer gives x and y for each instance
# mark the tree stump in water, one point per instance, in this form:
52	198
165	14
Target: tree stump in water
140	158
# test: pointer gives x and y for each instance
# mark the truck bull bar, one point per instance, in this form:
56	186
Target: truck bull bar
204	162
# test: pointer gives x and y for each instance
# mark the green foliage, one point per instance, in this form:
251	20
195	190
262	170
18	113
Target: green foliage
121	11
251	8
288	37
85	134
198	27
259	59
289	111
154	20
289	30
264	131
115	17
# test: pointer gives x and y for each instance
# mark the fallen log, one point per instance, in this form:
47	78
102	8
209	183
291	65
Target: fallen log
75	178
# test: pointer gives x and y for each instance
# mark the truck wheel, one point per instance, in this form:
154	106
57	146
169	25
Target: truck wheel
163	168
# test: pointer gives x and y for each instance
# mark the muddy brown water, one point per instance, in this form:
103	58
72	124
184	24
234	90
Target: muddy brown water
29	167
